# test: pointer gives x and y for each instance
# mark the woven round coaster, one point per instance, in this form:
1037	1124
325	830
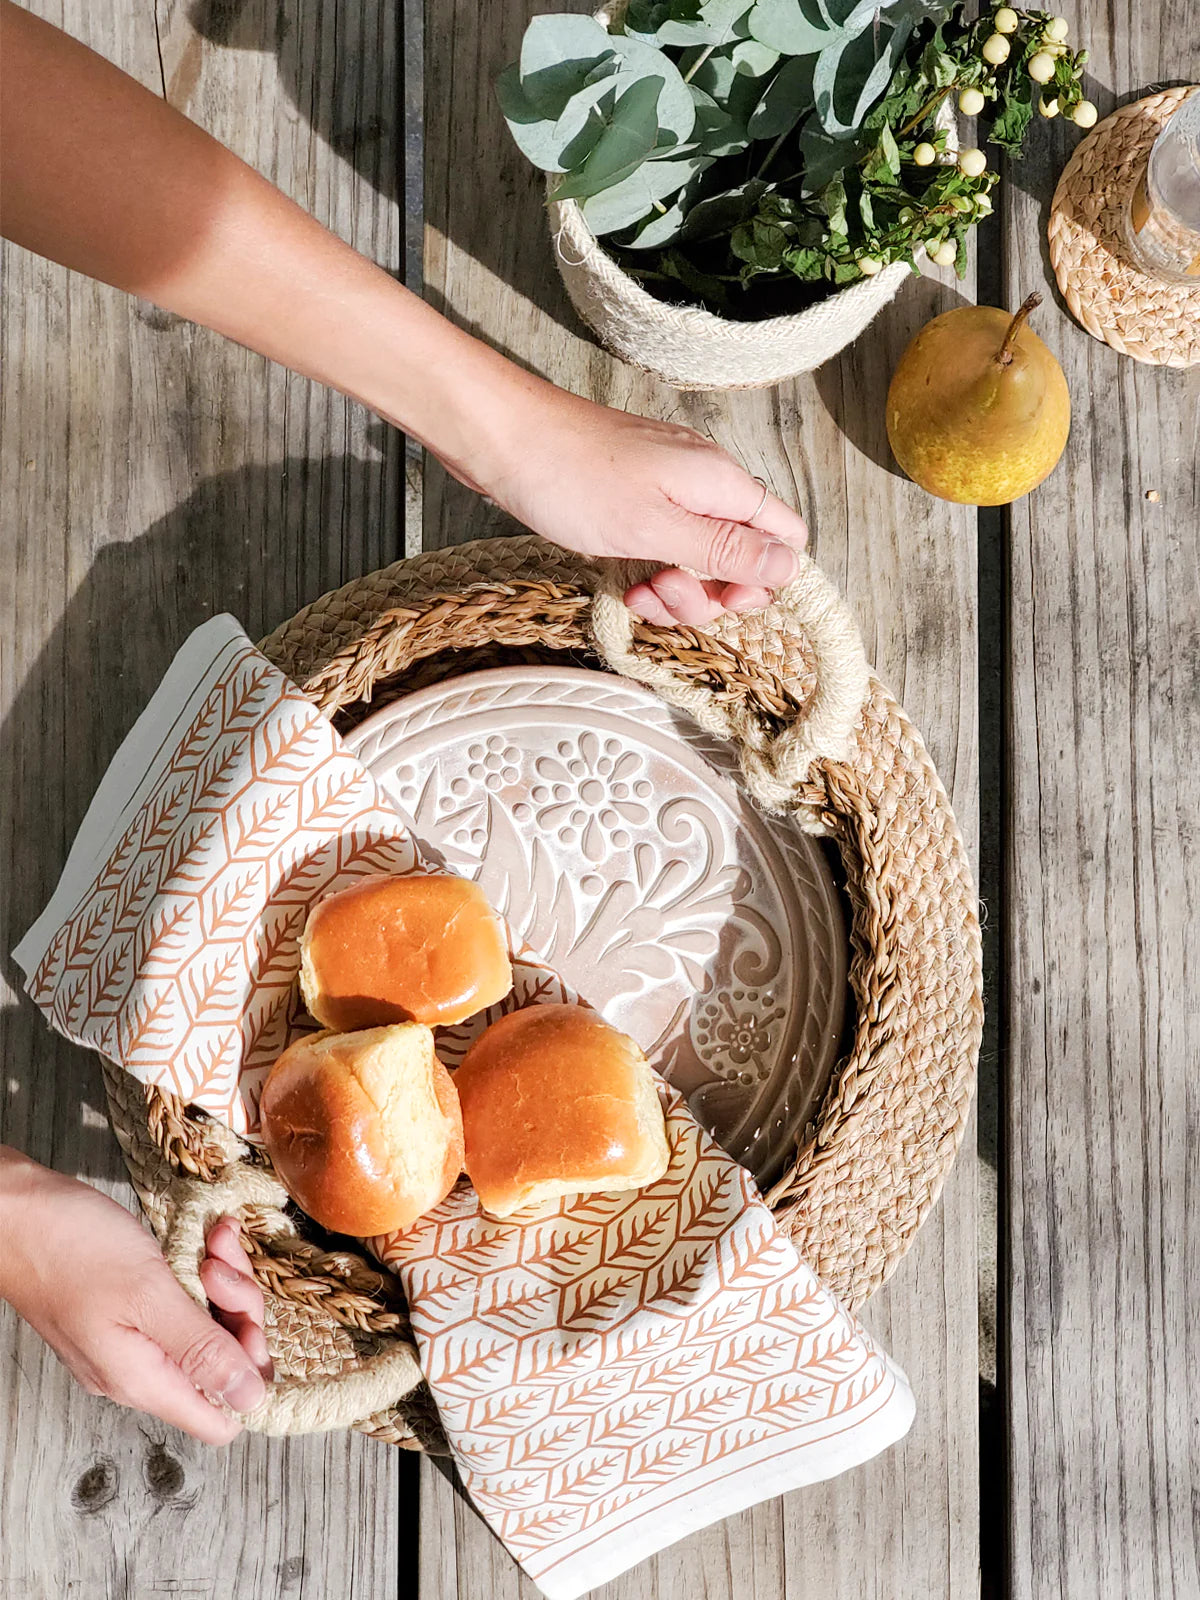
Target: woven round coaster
1115	301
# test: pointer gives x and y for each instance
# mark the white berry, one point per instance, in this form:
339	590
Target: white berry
924	155
983	204
1041	67
946	254
1006	20
1084	114
1048	106
972	162
995	49
868	266
971	102
1057	29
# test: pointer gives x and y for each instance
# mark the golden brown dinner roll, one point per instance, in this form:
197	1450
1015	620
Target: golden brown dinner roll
363	1128
555	1101
421	949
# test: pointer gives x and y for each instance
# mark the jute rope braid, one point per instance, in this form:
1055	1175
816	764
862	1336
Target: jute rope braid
874	1159
1114	300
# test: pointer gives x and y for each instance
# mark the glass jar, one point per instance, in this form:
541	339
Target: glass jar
1162	219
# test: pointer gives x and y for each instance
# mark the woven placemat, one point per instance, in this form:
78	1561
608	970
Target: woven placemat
1114	300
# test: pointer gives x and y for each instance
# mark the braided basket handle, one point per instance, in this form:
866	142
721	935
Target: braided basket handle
810	611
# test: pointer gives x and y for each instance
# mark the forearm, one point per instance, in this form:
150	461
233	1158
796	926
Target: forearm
18	1180
101	175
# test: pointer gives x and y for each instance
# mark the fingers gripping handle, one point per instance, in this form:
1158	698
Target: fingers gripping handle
775	765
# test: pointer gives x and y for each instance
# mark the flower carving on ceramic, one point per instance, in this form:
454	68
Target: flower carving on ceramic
618	847
591	792
735	1032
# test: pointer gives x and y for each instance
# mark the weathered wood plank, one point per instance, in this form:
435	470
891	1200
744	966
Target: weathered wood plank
151	474
906	1524
1101	933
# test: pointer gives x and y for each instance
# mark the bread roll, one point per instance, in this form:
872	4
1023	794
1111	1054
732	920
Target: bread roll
421	949
554	1102
363	1128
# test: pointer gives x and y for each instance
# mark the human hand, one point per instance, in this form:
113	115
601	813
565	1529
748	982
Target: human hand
91	1281
609	483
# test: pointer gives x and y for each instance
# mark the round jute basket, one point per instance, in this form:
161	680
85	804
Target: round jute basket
816	734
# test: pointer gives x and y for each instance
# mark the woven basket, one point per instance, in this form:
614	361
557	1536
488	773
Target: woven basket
691	348
873	1162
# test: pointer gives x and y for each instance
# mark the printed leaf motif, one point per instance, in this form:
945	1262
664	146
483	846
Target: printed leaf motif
471	1363
147	1025
287	744
628	1425
216	773
257	825
214	985
500	1412
701	1202
276	943
109	983
585	1479
682	1275
165	812
132	896
542	1444
163	937
187	851
754	1356
596	1300
535	1529
659	1462
86	934
244	701
328	804
585	1394
640	1236
233	900
707	1404
199	736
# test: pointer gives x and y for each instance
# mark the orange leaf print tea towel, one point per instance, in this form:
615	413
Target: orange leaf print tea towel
171	943
631	1367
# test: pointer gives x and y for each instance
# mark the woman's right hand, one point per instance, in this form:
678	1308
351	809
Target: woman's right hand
91	1281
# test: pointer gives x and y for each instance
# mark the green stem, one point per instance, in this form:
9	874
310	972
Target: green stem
926	109
772	153
698	63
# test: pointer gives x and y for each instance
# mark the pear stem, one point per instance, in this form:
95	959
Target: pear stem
1030	303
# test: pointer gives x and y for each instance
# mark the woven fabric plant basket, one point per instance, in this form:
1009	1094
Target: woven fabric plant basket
817	734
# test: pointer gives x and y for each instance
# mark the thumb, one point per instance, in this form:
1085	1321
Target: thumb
208	1355
731	551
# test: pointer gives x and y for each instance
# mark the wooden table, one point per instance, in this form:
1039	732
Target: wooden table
152	474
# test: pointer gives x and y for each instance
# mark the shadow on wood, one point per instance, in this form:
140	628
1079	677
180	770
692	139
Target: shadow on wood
98	668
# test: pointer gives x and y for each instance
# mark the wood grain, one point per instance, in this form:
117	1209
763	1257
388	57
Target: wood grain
1101	931
906	1524
151	474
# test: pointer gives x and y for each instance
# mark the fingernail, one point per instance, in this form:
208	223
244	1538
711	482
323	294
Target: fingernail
245	1392
227	1275
778	564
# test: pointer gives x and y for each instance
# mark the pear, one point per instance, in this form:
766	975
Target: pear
978	409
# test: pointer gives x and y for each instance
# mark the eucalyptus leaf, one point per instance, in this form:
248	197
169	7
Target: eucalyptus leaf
824	155
534	134
785	100
633	198
557	54
793	27
716	132
628	137
720	213
640	61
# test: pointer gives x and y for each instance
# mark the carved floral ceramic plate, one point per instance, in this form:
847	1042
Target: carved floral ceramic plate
613	836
